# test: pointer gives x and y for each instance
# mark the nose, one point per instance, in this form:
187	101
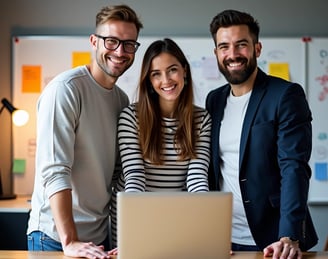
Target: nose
233	52
120	49
166	78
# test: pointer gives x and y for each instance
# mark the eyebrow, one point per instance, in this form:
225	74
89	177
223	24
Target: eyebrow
113	37
237	42
173	65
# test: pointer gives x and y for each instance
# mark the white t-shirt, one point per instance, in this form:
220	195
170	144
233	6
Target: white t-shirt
230	133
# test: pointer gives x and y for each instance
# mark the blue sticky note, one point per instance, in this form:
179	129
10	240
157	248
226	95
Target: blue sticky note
320	171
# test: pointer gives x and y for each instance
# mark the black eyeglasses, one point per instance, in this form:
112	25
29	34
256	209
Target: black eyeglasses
112	43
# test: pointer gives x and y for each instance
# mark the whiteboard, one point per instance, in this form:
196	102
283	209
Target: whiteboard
37	59
40	58
283	52
318	100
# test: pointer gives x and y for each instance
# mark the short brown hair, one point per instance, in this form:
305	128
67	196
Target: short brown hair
229	18
119	13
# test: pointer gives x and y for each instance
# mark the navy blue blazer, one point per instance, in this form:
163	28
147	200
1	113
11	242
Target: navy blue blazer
275	147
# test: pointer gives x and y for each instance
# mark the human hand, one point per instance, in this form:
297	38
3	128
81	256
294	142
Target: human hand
88	250
283	249
113	251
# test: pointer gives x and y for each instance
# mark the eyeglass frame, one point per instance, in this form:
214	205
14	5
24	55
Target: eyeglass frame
123	42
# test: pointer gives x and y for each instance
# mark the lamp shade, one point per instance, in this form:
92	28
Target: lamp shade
19	117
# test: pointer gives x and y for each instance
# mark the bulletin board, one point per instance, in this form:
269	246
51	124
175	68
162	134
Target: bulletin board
37	59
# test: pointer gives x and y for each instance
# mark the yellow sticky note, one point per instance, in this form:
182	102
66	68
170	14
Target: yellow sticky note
31	79
19	166
80	58
279	69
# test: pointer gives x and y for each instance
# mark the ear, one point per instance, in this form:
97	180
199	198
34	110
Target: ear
93	40
258	49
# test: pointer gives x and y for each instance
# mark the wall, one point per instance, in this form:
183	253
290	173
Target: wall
277	18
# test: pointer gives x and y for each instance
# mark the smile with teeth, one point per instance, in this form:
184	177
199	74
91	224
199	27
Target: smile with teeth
168	88
235	64
116	61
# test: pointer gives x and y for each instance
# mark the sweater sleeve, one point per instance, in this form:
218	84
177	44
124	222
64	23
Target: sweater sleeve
132	161
197	178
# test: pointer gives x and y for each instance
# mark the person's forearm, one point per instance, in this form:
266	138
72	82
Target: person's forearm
61	206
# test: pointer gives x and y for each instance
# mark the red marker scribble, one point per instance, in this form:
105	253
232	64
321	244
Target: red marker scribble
323	81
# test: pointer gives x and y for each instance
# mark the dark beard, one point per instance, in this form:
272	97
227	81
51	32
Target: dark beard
238	77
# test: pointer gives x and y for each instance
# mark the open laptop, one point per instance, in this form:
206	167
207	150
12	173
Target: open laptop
182	225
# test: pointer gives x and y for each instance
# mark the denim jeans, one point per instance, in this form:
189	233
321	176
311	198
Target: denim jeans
39	241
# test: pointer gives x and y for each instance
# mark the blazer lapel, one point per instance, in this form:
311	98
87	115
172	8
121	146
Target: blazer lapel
217	111
217	116
254	101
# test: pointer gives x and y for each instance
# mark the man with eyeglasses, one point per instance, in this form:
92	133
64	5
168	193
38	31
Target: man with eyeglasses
77	154
112	43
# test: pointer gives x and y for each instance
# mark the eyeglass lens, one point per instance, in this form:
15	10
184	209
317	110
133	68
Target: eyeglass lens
113	43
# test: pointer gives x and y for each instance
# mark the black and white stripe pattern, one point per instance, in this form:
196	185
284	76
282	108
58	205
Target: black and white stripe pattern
140	175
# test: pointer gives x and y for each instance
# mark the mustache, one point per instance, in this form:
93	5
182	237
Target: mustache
238	59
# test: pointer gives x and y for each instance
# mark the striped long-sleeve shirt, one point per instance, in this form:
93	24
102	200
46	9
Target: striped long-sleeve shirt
140	175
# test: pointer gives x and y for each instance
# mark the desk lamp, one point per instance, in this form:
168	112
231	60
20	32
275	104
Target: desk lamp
19	118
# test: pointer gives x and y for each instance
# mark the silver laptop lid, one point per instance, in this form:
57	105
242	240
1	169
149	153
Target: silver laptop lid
156	225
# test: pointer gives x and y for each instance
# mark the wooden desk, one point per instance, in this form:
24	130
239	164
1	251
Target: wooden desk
20	204
14	215
59	255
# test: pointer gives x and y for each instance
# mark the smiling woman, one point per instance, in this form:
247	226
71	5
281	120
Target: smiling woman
167	77
164	139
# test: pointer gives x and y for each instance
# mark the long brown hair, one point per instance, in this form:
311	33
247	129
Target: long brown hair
149	112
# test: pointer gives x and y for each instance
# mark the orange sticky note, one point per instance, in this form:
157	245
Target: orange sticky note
31	79
279	69
80	58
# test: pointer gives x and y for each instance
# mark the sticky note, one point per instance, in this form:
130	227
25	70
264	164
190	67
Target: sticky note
279	69
322	136
31	79
80	58
19	166
320	171
209	68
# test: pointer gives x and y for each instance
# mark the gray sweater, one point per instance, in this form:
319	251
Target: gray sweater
76	149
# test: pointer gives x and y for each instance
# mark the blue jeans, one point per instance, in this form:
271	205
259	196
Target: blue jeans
238	247
39	241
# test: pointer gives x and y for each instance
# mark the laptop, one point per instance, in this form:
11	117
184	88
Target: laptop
182	225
